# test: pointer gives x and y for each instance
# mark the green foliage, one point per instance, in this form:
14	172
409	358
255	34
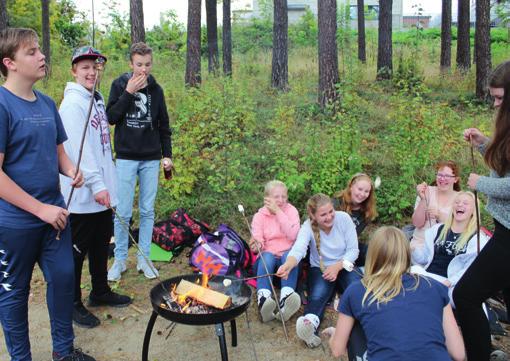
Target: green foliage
305	31
170	34
70	24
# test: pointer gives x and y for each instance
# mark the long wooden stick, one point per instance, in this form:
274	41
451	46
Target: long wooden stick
476	199
241	209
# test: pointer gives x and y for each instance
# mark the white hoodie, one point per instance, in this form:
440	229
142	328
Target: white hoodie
97	160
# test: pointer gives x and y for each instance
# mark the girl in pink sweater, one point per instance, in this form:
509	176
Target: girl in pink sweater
275	227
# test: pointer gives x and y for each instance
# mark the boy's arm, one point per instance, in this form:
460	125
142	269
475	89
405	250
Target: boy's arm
164	130
67	167
119	102
13	194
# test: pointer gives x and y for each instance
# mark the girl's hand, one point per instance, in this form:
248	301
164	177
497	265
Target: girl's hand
432	213
253	245
270	204
331	272
421	189
283	271
473	178
474	136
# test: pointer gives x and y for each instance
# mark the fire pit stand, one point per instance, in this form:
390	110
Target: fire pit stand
241	296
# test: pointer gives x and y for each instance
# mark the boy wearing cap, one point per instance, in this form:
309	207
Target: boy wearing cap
32	209
90	206
142	137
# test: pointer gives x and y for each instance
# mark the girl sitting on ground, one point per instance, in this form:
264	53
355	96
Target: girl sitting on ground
358	200
389	302
434	203
275	227
450	248
332	239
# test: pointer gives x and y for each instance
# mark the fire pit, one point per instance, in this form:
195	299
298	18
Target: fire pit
195	314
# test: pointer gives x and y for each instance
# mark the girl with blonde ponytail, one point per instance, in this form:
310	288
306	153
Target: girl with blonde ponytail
333	244
404	316
450	248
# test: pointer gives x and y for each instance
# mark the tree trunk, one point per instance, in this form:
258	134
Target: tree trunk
192	76
212	35
362	53
463	41
483	49
136	17
384	50
3	15
328	52
227	39
446	36
279	68
45	5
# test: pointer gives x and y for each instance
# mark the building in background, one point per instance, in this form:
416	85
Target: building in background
415	21
247	9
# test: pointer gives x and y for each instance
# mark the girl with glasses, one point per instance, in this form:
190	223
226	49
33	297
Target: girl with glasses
434	203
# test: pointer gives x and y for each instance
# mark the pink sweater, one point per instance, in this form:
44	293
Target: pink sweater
276	232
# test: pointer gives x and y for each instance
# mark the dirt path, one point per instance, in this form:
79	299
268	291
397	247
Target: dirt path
120	335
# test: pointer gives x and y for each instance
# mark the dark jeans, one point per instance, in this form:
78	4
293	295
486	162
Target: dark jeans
321	290
488	274
91	234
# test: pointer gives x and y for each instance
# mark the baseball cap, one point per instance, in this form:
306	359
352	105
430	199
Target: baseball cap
86	52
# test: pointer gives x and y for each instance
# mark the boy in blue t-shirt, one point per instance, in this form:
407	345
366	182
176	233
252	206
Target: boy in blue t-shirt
32	209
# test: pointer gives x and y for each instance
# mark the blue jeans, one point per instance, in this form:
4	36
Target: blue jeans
322	290
148	175
21	249
273	262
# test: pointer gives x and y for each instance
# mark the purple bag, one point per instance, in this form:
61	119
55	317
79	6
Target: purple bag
220	253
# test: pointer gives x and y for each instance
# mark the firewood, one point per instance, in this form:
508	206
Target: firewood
203	295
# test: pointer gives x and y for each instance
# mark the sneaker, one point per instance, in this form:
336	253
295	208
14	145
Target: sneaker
75	355
267	307
306	331
148	269
498	355
83	318
109	298
289	305
116	270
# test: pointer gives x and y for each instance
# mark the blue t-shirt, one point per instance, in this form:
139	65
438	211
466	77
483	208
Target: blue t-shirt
29	134
409	327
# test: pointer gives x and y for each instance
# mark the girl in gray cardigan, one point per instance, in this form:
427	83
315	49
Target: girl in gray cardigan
490	272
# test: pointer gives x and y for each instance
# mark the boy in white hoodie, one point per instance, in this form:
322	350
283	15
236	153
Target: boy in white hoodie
90	206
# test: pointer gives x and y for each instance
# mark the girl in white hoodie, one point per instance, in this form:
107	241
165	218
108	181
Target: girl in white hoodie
90	206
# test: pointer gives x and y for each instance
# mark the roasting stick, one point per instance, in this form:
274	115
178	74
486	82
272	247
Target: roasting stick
166	295
99	63
476	199
241	210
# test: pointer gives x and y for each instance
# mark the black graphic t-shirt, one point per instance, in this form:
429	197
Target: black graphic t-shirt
444	252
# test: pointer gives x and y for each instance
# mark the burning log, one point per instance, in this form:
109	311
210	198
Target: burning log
203	295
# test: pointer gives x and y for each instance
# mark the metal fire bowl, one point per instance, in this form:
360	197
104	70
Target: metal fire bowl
238	290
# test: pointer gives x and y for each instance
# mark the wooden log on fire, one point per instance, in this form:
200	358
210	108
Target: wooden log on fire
204	295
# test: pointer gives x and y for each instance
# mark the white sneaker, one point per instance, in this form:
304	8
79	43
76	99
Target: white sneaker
267	307
289	305
116	270
306	331
148	269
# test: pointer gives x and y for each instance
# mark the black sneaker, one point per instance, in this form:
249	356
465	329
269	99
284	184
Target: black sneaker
83	318
109	298
75	355
289	305
498	355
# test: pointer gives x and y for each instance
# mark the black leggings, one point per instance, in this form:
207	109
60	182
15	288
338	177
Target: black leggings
488	274
91	234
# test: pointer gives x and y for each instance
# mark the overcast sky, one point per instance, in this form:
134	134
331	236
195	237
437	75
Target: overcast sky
152	8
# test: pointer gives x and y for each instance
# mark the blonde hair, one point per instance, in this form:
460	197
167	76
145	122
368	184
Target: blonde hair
368	207
388	258
11	39
273	184
466	235
315	202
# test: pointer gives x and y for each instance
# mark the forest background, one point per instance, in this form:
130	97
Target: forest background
233	133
